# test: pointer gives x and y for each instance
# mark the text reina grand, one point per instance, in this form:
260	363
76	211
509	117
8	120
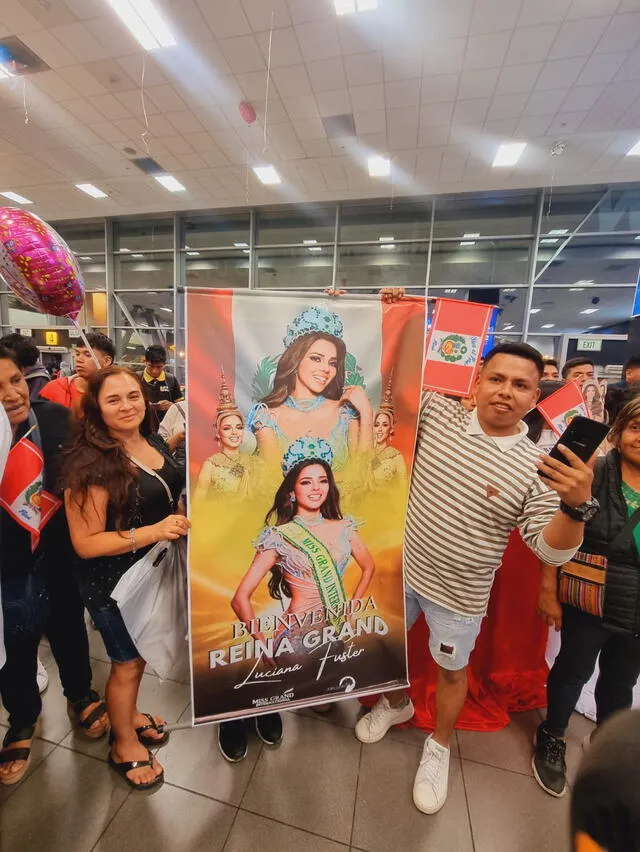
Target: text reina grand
342	630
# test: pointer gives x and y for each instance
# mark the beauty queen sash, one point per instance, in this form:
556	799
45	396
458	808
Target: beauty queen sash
324	568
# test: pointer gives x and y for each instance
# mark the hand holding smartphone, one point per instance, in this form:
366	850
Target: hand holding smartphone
583	436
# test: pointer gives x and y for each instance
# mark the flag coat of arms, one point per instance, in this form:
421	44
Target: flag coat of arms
454	346
21	493
561	407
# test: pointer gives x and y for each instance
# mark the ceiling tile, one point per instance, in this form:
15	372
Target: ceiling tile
114	39
49	13
49	49
543	103
133	67
403	93
507	106
364	98
531	44
84	110
301	108
581	98
486	51
327	74
82	81
186	18
429	137
318	39
111	74
177	144
356	38
54	85
336	102
165	98
622	33
493	16
502	128
444	57
310	129
284	47
363	69
601	68
185	121
578	38
478	84
225	20
518	78
436	115
373	121
17	19
559	73
110	107
109	132
291	82
543	12
531	126
261	15
81	42
437	89
567	122
242	53
316	147
449	20
132	101
471	111
253	84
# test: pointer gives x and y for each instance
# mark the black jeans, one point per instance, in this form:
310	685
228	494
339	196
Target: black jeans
584	637
34	604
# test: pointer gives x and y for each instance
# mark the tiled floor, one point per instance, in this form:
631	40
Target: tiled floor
320	791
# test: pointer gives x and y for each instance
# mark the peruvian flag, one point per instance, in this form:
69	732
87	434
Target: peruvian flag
21	492
561	407
454	346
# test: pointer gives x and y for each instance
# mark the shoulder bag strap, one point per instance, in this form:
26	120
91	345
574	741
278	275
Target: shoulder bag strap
627	529
157	476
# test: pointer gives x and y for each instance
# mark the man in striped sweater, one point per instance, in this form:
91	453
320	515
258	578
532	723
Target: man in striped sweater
475	479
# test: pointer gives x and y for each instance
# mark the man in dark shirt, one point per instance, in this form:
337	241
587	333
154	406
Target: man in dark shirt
39	592
28	357
162	388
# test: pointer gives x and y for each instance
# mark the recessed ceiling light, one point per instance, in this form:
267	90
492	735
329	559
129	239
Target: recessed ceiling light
267	175
348	7
170	183
509	290
635	151
451	291
470	236
309	242
509	153
168	310
590	310
125	251
193	254
241	245
387	246
637	238
138	256
535	310
386	239
379	166
468	243
549	242
5	72
558	232
508	327
246	251
315	249
583	282
576	289
548	325
91	190
593	326
19	199
86	257
144	22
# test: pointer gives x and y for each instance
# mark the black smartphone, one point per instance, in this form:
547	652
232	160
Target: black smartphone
582	436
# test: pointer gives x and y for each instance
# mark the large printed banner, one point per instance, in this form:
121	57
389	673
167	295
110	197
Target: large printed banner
302	413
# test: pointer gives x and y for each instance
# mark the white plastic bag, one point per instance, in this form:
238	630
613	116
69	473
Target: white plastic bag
151	597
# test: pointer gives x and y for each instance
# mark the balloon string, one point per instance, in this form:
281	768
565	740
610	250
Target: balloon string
266	94
86	342
145	132
24	101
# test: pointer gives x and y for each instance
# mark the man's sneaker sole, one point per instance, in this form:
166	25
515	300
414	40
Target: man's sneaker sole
539	780
405	716
232	759
424	810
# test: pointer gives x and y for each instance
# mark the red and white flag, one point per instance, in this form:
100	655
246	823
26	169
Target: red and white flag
561	407
454	346
21	493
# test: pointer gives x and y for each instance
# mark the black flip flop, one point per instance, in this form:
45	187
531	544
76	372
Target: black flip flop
152	742
128	765
8	755
96	714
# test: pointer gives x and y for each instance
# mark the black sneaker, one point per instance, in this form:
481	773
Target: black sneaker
232	740
548	763
269	728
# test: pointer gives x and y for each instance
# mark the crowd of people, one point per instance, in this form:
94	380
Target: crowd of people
112	443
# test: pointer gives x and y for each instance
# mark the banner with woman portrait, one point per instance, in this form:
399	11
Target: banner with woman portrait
302	413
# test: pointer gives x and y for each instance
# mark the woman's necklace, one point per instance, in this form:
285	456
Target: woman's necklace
237	468
311	522
304	404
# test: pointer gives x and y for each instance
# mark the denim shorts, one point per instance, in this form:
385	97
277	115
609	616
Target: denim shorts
117	642
452	636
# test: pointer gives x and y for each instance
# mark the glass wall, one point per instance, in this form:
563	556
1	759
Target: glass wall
556	263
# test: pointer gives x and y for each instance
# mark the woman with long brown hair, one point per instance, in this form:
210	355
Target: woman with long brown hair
309	396
121	496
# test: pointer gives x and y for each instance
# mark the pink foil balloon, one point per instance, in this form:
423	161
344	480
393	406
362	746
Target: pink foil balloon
38	266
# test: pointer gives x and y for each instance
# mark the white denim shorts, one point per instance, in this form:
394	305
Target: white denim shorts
452	636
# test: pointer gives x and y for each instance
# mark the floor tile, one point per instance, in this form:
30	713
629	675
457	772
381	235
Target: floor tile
39	750
510	813
255	832
170	820
511	748
63	807
579	728
192	760
344	713
309	781
54	723
386	819
165	698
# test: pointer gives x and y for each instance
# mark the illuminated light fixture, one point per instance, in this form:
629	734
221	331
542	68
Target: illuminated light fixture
558	232
451	291
386	239
388	246
508	327
548	325
168	310
19	199
125	251
267	175
470	236
5	72
509	290
309	242
590	310
246	251
576	289
170	183
316	249
348	7
91	190
509	153
241	245
86	257
635	238
193	254
144	22
635	151
468	243
549	242
379	166
138	256
535	310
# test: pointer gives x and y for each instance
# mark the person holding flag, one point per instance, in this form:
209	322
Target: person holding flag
475	479
39	592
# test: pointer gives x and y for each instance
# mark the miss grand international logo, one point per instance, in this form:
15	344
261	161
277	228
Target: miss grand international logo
454	348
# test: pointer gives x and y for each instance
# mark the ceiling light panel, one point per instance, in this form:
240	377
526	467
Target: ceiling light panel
91	190
379	166
509	153
267	175
19	199
144	22
170	183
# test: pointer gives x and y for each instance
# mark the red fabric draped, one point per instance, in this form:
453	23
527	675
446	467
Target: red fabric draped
507	669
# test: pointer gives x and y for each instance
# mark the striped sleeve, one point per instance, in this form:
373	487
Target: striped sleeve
540	505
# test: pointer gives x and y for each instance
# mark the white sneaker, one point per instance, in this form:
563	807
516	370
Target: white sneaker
432	778
42	677
382	716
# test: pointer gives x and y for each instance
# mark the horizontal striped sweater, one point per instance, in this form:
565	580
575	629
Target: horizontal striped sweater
467	495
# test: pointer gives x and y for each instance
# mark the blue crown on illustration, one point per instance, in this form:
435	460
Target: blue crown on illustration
305	449
311	321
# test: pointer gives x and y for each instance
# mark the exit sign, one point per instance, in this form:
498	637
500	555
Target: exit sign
589	344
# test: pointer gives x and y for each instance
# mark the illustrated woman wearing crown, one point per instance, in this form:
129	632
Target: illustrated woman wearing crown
308	550
388	465
228	472
309	396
